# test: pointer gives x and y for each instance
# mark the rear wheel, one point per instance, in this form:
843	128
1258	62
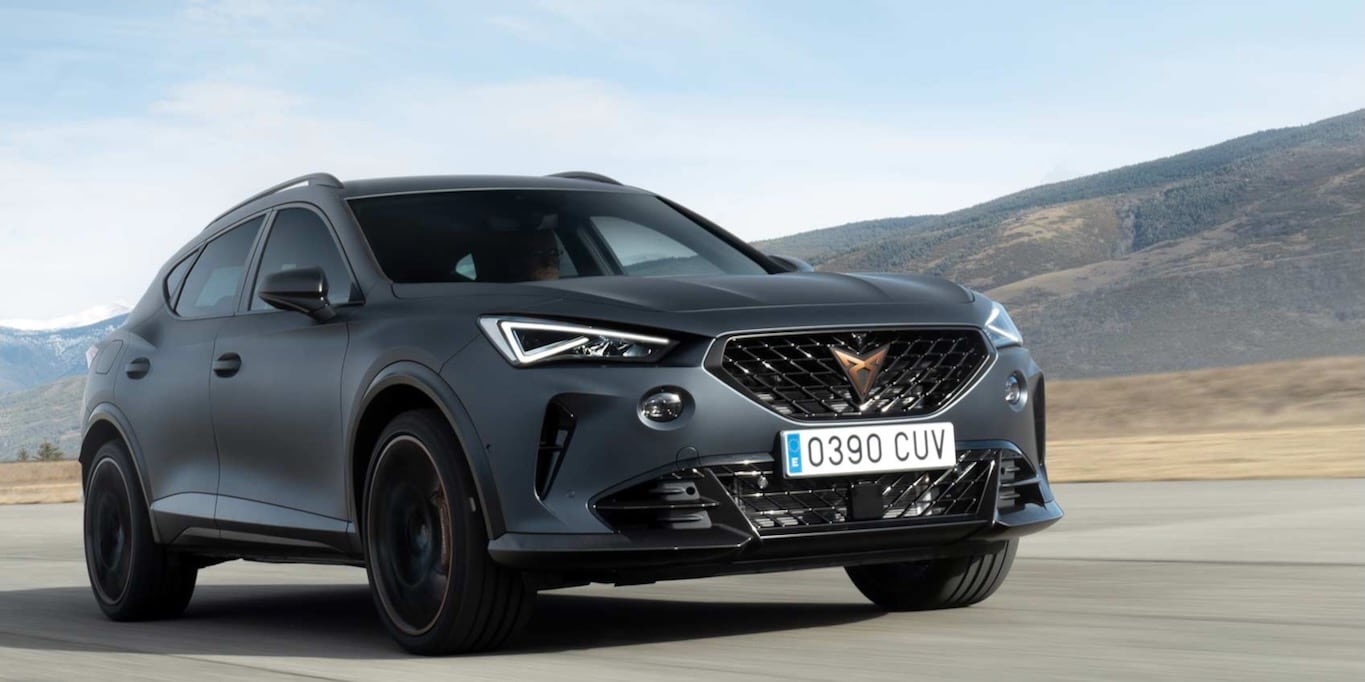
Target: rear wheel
436	588
934	583
133	577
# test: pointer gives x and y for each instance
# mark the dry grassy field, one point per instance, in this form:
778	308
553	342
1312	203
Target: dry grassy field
31	482
1299	419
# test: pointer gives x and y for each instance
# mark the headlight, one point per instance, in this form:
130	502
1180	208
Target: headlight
527	342
1001	328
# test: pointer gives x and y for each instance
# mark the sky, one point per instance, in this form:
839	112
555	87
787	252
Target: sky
126	127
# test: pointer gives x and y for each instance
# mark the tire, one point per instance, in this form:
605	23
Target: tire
947	583
133	578
426	551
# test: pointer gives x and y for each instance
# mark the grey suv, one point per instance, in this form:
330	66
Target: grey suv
479	387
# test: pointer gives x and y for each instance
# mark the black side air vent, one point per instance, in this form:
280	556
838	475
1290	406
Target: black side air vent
1040	419
555	433
1018	482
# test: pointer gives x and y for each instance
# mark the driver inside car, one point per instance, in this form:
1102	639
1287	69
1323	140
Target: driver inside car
534	256
518	255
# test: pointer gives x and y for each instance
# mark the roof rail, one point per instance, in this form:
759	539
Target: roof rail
320	179
585	175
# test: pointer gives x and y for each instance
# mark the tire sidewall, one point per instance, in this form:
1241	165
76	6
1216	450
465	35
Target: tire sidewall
950	582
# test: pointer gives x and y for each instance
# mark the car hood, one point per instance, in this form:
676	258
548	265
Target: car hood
691	294
713	305
688	294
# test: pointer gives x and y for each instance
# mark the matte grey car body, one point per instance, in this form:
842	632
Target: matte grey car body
252	422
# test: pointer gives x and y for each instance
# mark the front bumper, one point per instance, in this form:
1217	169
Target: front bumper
559	530
1009	507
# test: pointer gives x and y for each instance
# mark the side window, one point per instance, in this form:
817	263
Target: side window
176	277
645	251
465	268
211	287
566	264
300	239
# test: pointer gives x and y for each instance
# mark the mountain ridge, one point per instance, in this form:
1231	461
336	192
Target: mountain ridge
1344	129
1260	235
83	318
31	358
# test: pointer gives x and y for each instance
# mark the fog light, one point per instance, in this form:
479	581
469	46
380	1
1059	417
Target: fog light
1016	391
664	406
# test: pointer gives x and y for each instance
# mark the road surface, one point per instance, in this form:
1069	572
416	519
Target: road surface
1234	580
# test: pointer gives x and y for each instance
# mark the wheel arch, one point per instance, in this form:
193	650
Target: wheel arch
106	423
404	386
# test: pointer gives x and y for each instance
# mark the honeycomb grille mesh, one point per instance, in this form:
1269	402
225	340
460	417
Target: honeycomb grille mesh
796	374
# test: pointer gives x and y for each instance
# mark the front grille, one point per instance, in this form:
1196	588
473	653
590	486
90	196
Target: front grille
796	374
772	502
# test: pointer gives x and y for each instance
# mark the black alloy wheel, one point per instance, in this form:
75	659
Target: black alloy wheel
426	548
132	576
109	531
410	531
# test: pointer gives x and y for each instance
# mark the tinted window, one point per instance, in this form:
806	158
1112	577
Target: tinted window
176	277
527	235
300	239
212	285
468	269
642	251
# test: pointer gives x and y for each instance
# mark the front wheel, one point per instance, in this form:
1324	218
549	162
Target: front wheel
934	583
426	551
133	577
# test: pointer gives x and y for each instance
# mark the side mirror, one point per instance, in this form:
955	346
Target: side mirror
302	290
792	263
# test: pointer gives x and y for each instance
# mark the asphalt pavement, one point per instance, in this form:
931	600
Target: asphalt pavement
1238	580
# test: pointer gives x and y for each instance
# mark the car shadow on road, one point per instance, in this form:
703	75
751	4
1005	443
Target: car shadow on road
340	621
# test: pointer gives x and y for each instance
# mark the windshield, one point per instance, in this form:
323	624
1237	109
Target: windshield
535	235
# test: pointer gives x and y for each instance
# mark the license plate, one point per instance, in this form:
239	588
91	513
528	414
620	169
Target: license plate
843	450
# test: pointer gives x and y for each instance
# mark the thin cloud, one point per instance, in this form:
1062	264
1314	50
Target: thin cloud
94	207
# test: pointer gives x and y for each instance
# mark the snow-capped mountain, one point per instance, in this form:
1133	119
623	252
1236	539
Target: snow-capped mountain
34	352
84	318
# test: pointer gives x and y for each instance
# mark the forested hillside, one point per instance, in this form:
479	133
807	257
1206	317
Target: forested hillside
47	413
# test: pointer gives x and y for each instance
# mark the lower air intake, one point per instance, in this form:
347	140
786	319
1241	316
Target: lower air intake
673	502
773	503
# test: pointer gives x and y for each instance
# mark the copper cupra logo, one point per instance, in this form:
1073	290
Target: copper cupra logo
862	370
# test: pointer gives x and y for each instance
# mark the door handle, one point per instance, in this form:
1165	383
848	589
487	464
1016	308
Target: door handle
138	368
227	364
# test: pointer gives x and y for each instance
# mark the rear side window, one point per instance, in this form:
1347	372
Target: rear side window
300	239
211	287
177	277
